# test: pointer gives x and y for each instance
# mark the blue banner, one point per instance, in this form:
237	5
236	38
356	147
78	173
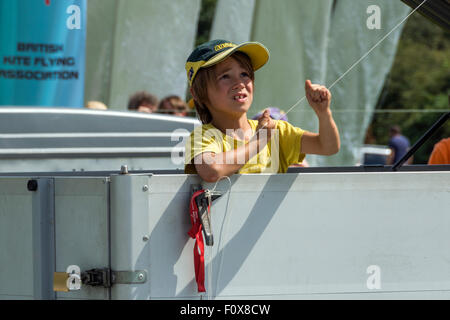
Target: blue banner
42	52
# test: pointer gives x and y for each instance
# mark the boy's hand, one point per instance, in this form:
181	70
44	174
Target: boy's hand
319	97
265	122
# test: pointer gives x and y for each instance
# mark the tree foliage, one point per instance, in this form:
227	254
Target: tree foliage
419	80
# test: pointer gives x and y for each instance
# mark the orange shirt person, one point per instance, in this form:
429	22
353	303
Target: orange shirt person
441	152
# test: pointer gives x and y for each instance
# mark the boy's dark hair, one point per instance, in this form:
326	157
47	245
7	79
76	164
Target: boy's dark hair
141	98
207	76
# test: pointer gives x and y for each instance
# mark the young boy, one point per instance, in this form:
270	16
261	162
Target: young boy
221	79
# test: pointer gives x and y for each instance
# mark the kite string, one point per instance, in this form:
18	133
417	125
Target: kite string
363	57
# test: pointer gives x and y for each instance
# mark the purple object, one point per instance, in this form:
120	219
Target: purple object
275	114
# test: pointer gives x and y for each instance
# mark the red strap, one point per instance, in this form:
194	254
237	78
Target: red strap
199	247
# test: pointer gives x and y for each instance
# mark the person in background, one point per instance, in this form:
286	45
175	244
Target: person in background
441	152
96	105
173	105
142	101
398	144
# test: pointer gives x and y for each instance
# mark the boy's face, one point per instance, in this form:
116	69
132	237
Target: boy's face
232	93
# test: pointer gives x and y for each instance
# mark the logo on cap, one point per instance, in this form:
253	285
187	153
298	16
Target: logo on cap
191	73
224	45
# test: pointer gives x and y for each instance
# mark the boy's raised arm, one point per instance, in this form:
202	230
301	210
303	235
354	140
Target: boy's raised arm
327	141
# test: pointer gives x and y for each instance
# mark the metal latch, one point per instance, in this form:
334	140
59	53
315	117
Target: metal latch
203	202
73	278
97	277
106	277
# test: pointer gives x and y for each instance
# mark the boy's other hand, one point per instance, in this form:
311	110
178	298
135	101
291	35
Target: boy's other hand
266	122
319	97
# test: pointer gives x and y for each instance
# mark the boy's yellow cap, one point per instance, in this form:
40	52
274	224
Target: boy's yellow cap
212	52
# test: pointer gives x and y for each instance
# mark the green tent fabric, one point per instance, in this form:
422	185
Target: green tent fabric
138	45
356	94
295	32
233	20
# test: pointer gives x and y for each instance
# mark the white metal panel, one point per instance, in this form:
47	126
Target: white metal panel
87	164
287	236
130	232
16	235
171	249
67	139
26	238
82	229
303	235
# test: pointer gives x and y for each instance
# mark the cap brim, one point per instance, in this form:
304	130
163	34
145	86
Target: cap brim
258	54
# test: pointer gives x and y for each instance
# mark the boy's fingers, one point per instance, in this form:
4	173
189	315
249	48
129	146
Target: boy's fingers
316	94
265	114
313	90
308	84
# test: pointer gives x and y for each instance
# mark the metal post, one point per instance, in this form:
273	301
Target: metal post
421	141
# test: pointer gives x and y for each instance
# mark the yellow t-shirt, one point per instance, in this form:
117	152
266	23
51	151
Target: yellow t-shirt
282	151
